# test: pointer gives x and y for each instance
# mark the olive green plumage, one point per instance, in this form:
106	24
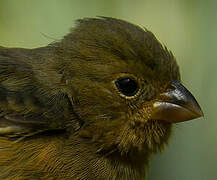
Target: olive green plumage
62	117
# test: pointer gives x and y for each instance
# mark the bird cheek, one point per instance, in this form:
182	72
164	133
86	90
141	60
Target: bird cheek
142	115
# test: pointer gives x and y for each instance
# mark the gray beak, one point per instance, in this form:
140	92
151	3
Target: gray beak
176	105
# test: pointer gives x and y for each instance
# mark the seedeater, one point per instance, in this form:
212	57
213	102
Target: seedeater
94	106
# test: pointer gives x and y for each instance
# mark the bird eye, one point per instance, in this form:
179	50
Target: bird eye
127	86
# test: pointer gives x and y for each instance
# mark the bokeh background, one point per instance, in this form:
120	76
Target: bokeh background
187	27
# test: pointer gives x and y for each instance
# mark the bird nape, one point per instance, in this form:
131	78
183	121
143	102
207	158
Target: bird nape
95	105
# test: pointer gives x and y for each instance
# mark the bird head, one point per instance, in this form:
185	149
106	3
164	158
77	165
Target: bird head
123	85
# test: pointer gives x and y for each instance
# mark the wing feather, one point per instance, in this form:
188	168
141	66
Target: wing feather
27	104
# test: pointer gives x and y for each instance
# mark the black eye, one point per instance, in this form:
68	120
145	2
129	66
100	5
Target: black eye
127	86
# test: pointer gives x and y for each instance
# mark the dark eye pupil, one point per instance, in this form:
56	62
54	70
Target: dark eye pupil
127	86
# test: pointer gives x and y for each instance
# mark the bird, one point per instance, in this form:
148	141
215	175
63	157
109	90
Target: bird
95	105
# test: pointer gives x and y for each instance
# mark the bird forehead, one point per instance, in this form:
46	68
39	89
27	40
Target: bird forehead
112	35
116	46
156	69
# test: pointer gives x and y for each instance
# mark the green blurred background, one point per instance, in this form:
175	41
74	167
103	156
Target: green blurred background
187	27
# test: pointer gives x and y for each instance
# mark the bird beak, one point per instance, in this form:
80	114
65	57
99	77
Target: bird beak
176	105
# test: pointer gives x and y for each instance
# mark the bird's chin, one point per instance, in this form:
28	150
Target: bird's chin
145	137
156	135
